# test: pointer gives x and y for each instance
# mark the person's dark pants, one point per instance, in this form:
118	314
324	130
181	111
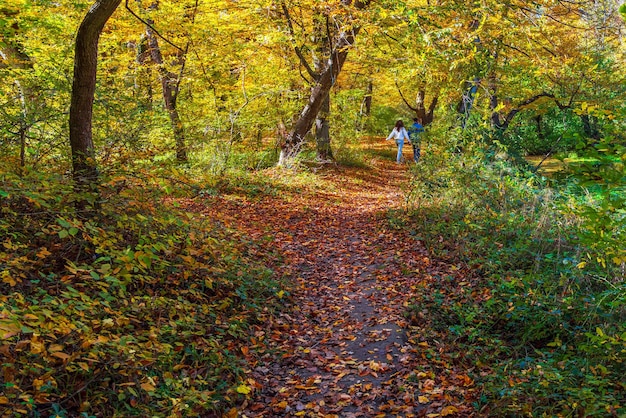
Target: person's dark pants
416	153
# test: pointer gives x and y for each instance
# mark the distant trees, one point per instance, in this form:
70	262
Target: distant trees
231	74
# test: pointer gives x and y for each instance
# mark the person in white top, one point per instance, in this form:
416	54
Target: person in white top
399	133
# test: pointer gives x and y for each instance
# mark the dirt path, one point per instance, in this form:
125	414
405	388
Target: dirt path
344	349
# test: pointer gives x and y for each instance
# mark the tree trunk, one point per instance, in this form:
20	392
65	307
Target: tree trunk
366	106
320	61
496	123
589	127
318	94
367	100
425	115
320	91
23	124
540	133
169	83
322	132
83	89
467	100
143	79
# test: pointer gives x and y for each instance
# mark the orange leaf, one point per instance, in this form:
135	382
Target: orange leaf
43	253
60	355
36	346
449	410
232	413
55	347
147	386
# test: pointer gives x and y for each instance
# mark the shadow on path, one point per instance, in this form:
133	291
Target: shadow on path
341	349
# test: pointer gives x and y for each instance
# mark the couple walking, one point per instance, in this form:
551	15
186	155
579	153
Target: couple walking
399	133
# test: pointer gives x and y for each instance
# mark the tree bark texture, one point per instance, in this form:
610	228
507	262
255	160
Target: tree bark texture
320	90
322	132
83	89
322	124
425	114
169	84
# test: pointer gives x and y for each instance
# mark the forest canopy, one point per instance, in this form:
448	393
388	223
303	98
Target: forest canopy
128	291
200	76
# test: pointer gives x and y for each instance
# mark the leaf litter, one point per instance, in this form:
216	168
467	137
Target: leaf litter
343	346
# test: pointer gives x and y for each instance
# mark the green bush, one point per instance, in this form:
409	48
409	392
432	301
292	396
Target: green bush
540	314
137	312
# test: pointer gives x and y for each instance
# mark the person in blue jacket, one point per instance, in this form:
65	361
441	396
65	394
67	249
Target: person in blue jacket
399	133
415	132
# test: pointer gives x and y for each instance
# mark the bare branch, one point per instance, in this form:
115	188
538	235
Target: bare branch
514	48
403	98
156	32
297	49
509	116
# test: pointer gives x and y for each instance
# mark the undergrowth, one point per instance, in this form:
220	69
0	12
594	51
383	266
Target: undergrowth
139	311
540	313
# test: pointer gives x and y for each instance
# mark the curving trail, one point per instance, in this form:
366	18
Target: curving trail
343	348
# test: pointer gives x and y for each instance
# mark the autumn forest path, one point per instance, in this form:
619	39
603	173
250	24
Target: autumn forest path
342	346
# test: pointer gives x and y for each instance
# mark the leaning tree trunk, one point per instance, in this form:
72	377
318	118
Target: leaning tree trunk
320	91
85	171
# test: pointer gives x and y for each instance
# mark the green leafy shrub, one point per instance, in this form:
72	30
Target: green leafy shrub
552	132
138	312
540	314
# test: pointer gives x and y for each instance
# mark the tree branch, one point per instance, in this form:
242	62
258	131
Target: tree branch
509	116
297	49
156	32
514	48
403	98
433	104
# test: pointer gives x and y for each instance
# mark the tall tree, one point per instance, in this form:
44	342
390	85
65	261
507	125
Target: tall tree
170	81
342	41
83	88
321	38
425	114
